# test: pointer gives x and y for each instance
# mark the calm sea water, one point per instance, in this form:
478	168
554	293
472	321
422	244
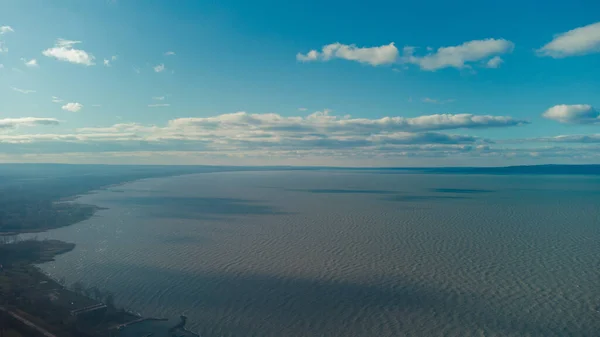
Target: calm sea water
328	253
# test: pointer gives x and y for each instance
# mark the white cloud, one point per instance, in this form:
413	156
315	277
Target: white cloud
319	131
159	98
170	53
375	56
73	107
30	63
6	29
494	62
277	139
159	68
3	48
579	41
324	122
23	91
9	123
158	105
573	114
56	99
63	50
459	56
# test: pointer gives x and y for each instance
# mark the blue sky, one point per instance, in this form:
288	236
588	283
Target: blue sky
304	83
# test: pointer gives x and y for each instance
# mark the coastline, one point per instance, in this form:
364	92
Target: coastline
90	210
27	289
78	212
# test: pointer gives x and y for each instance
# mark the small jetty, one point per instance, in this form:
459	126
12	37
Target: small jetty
156	327
140	320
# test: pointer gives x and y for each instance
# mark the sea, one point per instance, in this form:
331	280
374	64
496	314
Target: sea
347	253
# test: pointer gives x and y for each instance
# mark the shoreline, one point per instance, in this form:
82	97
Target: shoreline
71	205
21	270
71	201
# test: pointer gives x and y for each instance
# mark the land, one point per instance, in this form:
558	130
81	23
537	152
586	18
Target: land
33	304
35	198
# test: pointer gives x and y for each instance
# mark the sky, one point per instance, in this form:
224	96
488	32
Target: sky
332	83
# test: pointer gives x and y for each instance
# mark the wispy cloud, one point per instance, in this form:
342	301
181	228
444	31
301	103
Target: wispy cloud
159	68
579	41
159	98
573	114
170	53
375	56
30	63
23	91
136	70
64	50
56	100
96	105
302	109
9	123
460	56
72	107
583	139
158	105
6	29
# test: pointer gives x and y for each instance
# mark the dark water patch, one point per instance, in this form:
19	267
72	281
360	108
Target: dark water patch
460	190
137	190
198	207
416	198
342	191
